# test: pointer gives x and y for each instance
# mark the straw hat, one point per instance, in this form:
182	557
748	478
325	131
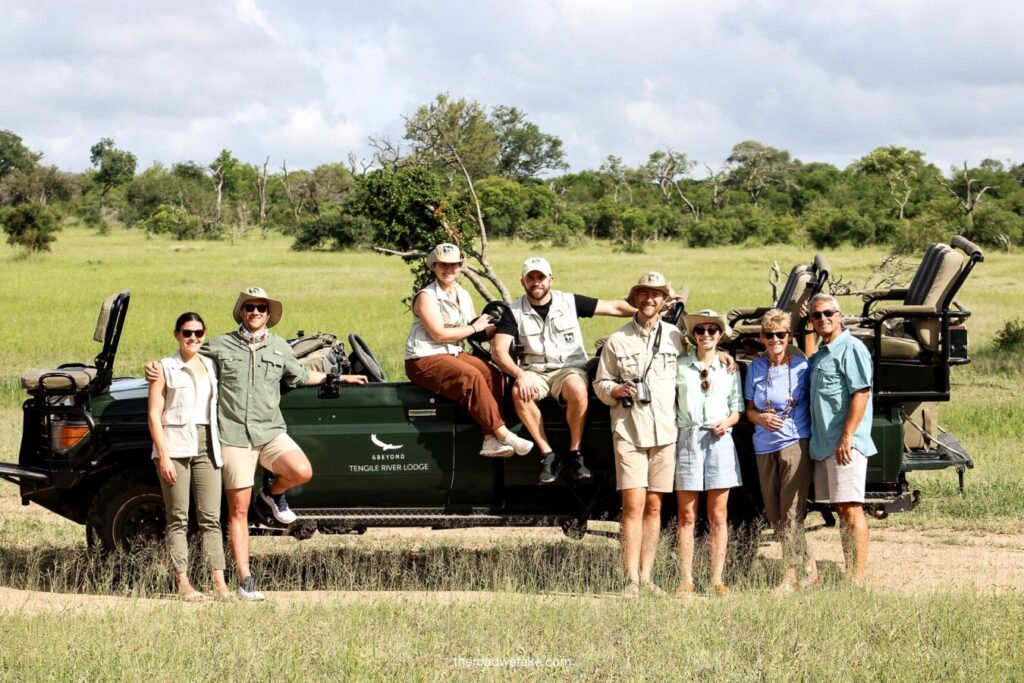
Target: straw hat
651	280
276	308
691	320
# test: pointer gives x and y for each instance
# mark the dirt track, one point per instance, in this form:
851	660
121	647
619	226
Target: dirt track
908	562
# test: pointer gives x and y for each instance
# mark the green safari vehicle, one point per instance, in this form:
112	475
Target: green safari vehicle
393	454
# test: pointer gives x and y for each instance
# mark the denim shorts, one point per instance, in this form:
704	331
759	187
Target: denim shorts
705	462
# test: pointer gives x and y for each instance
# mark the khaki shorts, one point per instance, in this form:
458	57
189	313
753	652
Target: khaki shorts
844	483
653	469
240	462
549	382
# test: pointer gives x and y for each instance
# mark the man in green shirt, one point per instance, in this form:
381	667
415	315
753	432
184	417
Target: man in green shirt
251	364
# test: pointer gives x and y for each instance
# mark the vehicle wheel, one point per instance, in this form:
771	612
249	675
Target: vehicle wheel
363	360
128	510
574	528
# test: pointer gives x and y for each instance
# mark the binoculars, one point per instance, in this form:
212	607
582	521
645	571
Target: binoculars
643	392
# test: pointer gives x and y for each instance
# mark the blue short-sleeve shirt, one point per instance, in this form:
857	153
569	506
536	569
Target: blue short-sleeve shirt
770	386
838	370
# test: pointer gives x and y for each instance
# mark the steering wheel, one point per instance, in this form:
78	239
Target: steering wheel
495	309
363	360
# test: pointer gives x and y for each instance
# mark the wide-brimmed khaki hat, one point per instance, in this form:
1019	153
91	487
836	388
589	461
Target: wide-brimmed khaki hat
276	308
445	253
650	280
691	320
536	263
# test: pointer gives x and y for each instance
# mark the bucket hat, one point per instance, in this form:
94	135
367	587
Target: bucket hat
650	280
276	308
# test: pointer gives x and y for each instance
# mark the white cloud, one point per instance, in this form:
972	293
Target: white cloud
309	81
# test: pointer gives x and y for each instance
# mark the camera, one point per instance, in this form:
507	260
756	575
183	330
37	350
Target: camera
643	392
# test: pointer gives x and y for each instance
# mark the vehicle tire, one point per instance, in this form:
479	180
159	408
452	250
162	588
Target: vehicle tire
127	511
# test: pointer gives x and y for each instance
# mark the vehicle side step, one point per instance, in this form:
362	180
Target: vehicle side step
947	453
411	517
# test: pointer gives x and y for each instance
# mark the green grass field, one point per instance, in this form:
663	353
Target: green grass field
550	603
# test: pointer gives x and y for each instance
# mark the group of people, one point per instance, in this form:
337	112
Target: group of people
674	397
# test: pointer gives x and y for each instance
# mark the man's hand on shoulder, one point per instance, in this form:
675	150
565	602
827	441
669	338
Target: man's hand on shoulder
728	361
152	371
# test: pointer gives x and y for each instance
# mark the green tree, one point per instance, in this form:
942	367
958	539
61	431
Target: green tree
524	151
113	166
455	137
30	226
14	155
899	166
754	166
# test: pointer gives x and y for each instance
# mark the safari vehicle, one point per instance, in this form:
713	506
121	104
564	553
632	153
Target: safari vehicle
393	454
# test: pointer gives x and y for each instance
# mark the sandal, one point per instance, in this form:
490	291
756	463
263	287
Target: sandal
192	596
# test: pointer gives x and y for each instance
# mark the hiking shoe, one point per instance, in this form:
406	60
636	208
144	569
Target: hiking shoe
685	590
577	467
652	588
720	589
632	590
519	445
247	590
276	505
551	467
493	448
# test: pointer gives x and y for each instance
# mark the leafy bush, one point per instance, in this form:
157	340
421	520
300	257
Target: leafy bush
995	226
913	236
830	226
1011	337
179	223
30	226
335	228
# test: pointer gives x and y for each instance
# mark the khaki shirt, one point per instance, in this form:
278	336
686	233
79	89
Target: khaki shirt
249	402
550	343
625	355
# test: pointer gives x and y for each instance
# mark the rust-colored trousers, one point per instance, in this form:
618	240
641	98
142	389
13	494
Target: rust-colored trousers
466	380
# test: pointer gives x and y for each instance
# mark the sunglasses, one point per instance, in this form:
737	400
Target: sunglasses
249	308
710	329
775	335
818	315
200	333
705	384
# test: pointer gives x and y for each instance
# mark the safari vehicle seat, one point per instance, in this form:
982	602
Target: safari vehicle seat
73	378
803	283
913	343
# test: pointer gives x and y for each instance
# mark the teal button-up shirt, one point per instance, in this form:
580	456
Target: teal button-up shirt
249	400
838	370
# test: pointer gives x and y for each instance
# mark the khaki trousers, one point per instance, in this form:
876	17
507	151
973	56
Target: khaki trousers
200	477
785	477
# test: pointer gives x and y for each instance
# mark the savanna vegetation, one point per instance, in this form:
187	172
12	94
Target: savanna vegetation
188	235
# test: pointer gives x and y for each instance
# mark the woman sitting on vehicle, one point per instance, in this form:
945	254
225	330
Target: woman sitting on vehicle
443	317
778	403
186	448
708	404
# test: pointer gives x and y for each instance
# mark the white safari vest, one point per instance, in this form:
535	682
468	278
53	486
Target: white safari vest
419	343
181	437
553	343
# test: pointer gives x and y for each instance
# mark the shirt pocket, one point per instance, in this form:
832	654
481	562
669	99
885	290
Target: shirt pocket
178	378
829	386
565	330
272	370
629	365
229	368
664	366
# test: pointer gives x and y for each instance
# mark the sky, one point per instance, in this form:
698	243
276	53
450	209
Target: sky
308	82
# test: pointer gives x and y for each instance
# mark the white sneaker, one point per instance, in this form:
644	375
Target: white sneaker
493	448
520	445
247	590
277	506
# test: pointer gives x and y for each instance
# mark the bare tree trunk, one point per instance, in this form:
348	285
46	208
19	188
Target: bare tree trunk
261	186
296	207
218	173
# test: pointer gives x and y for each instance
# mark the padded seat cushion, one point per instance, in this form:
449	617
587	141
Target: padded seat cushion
900	347
64	379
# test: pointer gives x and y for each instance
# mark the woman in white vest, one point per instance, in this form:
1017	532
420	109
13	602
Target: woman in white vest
443	317
186	450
